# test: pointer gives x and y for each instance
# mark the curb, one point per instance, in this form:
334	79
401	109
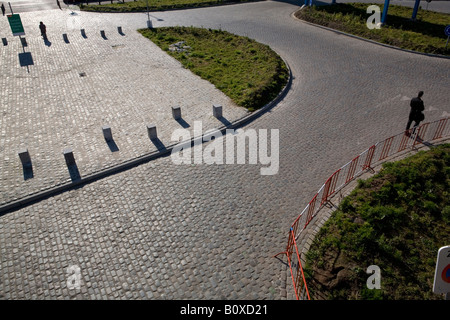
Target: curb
432	55
172	9
129	164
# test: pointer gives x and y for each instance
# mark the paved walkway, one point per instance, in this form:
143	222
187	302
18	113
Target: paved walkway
164	231
71	90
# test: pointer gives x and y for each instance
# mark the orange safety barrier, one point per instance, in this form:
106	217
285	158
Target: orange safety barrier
409	138
330	187
405	139
386	147
421	131
352	169
296	268
311	207
369	157
440	129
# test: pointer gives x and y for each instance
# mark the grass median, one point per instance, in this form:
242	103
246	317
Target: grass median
155	5
426	34
248	72
396	220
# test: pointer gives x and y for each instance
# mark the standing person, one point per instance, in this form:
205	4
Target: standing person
3	9
43	30
416	114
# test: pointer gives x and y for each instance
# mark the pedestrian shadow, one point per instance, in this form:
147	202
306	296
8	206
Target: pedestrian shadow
47	42
158	144
183	123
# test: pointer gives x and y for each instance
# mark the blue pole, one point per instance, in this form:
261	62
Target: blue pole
416	8
385	11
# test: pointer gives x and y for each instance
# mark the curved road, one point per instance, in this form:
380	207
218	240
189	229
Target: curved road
163	231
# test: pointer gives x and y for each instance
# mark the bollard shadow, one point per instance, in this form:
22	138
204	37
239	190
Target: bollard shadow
74	172
27	171
121	32
158	144
112	145
66	39
83	34
224	121
183	123
103	35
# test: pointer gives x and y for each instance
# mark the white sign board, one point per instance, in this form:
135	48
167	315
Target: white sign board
442	274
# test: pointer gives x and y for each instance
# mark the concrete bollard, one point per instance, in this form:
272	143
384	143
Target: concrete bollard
102	33
217	111
176	112
24	156
65	38
83	33
151	130
5	41
68	155
107	133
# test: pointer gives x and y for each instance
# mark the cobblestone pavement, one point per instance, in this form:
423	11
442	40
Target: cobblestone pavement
166	231
73	89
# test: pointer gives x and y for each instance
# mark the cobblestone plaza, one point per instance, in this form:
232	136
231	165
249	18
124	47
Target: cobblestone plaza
165	231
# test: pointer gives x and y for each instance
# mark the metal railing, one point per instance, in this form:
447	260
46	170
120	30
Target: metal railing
376	154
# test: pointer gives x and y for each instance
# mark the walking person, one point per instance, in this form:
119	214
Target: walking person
416	114
3	9
43	29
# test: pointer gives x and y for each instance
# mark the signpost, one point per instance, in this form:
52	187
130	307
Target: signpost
441	283
16	25
447	33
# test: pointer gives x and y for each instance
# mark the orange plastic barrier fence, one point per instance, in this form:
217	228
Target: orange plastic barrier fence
381	151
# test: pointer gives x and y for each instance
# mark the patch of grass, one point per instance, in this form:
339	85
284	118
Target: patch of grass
248	72
397	220
426	34
155	5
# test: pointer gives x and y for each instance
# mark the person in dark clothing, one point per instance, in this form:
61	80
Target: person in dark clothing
416	114
3	9
43	30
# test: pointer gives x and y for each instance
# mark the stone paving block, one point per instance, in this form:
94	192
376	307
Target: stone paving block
342	101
